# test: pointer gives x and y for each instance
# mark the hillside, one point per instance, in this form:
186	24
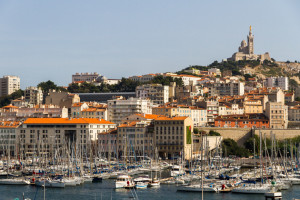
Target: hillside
254	67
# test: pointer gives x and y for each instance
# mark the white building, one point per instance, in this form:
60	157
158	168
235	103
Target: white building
121	108
282	82
199	117
157	93
33	95
216	71
9	84
230	109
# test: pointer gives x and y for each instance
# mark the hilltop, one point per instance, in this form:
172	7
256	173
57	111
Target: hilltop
254	67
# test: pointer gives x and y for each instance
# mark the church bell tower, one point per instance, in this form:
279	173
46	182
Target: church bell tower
250	42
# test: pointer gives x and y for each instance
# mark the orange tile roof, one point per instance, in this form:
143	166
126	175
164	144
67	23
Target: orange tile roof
77	104
9	124
10	106
173	118
149	116
131	124
66	121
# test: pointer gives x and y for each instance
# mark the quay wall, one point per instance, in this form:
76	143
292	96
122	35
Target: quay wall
280	134
240	135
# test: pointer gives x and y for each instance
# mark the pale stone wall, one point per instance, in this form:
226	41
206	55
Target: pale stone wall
280	134
240	135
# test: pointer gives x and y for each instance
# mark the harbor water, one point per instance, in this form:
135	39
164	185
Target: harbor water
104	190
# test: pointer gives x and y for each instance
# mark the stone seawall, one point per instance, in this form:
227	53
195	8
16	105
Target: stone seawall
280	134
240	135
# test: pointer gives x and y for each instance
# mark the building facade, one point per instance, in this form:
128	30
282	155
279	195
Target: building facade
39	136
277	113
33	95
157	93
118	109
9	84
173	137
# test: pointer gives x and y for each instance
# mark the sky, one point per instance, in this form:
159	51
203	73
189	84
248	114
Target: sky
51	40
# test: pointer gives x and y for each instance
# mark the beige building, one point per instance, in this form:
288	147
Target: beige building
9	84
253	106
277	113
85	77
135	139
33	95
47	135
62	99
173	137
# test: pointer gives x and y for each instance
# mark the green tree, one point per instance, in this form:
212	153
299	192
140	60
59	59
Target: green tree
6	100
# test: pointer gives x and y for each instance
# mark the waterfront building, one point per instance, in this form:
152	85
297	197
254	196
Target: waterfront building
9	84
135	139
107	144
46	135
8	144
173	137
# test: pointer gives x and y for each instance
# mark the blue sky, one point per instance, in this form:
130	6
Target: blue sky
42	40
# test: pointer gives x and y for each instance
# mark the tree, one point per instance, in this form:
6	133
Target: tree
293	83
6	100
297	99
46	86
231	148
214	133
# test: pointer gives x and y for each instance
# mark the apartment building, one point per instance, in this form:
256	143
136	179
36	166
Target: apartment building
47	135
13	113
277	113
33	95
281	82
8	138
77	108
198	115
242	121
118	109
253	106
107	144
230	109
157	93
135	139
225	89
9	84
294	113
212	107
173	137
99	113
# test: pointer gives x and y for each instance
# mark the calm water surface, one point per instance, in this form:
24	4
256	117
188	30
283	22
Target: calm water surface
104	191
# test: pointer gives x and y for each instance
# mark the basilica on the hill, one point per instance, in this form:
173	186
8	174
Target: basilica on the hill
246	51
